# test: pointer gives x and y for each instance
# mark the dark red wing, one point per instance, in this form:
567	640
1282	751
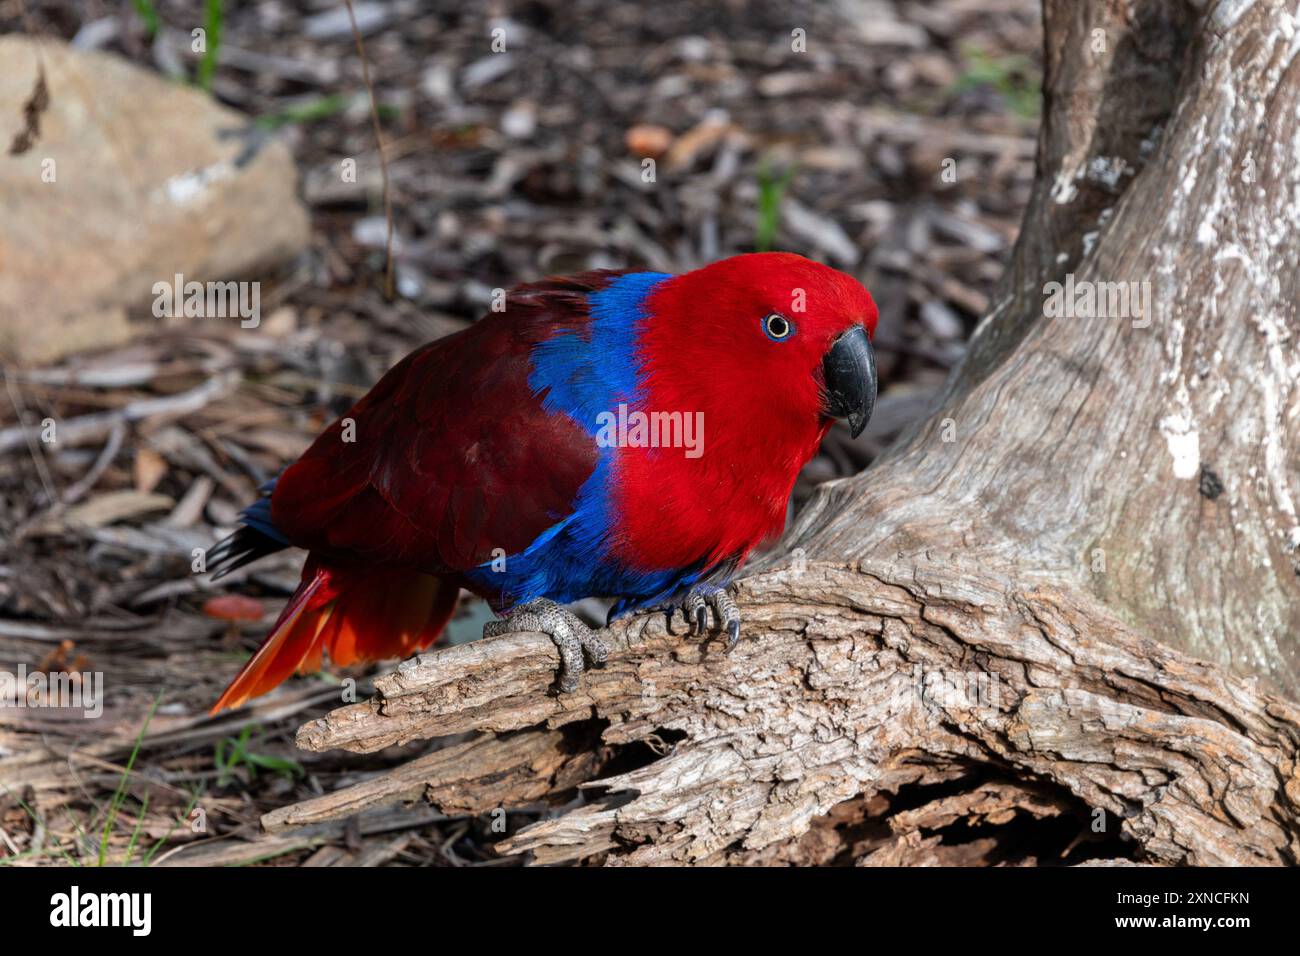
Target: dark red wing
453	455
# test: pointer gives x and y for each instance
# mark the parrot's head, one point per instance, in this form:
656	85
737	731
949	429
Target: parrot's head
784	338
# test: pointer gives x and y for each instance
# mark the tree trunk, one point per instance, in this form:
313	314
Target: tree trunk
991	637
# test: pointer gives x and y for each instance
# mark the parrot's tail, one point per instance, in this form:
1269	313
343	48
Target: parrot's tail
357	614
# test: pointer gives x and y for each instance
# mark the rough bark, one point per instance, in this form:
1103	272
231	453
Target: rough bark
999	624
867	678
1068	444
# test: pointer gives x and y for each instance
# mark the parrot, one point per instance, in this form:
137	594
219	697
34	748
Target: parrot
628	435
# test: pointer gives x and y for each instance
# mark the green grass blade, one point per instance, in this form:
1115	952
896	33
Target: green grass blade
148	15
119	797
208	65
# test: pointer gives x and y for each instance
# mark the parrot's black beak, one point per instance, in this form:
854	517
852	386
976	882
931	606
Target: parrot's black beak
849	369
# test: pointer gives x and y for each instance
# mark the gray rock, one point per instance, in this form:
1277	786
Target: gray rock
132	180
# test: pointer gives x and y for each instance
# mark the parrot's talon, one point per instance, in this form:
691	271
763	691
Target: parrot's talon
573	638
696	609
726	613
724	605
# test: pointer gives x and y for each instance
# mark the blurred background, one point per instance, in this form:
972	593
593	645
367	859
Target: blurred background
892	140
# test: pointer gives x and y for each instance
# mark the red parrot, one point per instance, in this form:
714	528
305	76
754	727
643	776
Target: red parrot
633	435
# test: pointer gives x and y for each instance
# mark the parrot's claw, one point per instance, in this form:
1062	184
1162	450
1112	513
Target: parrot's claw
566	629
725	612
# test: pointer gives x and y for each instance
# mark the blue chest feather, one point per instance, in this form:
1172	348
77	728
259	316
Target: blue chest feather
583	375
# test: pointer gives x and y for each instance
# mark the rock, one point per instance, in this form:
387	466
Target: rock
132	180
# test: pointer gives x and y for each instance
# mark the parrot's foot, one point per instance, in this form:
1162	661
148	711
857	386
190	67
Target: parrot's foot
725	612
565	628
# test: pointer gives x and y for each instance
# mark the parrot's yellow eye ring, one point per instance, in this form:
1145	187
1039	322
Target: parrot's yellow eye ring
777	326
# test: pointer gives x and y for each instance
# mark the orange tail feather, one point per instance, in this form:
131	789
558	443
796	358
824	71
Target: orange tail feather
357	615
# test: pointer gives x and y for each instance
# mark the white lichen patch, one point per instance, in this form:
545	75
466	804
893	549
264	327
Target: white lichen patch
1108	170
1278	383
1184	444
189	187
1226	13
1064	190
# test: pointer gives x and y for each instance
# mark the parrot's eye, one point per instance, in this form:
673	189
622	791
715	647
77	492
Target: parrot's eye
777	327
